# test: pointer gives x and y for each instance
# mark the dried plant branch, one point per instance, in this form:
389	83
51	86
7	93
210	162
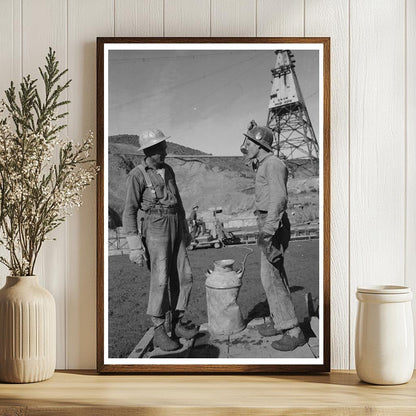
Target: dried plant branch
41	176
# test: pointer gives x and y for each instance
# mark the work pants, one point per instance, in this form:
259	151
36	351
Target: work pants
274	278
170	270
194	231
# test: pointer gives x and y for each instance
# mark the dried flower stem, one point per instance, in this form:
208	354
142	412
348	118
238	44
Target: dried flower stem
37	194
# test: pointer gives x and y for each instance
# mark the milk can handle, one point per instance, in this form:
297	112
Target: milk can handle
243	263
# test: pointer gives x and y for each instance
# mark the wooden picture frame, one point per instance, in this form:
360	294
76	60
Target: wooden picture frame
129	93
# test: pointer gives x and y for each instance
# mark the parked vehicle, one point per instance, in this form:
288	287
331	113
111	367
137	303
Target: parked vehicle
207	241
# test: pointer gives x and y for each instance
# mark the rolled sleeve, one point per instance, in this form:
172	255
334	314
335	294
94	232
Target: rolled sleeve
132	204
276	176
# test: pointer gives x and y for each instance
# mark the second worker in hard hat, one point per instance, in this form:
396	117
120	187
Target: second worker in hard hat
193	220
151	187
274	236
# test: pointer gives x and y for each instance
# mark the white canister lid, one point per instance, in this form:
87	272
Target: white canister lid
384	289
384	294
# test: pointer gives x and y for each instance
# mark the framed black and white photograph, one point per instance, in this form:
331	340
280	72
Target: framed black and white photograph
213	205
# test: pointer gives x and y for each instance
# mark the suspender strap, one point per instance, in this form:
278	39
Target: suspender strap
148	181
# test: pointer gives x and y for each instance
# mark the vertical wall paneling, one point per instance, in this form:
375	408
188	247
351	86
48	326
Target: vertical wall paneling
377	150
373	132
233	18
331	18
6	45
44	25
411	149
187	18
87	20
10	44
10	66
138	17
279	18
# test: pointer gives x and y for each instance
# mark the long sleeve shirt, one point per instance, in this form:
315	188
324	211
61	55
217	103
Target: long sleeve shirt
140	197
271	190
193	217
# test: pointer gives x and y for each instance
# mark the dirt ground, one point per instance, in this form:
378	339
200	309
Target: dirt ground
129	285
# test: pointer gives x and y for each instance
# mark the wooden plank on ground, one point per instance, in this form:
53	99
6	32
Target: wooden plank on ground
313	343
144	344
184	352
247	344
315	325
250	344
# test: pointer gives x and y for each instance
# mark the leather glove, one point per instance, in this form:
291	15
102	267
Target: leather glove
270	246
138	256
137	252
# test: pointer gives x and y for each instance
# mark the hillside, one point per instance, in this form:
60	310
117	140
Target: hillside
209	181
130	142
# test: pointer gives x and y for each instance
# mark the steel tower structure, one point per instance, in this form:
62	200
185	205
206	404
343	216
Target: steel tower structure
288	117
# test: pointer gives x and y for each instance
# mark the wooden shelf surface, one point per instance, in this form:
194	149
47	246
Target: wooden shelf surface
85	392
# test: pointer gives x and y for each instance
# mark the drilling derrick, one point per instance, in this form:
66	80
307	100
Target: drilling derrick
288	117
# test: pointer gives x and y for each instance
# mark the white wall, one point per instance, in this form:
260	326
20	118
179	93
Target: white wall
373	132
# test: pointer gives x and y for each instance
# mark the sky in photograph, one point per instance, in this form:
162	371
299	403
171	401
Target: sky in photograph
202	99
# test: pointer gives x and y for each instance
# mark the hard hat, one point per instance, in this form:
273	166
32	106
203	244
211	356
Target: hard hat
149	138
262	136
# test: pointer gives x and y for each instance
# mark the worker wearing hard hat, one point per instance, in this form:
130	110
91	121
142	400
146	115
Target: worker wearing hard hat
274	236
193	220
151	187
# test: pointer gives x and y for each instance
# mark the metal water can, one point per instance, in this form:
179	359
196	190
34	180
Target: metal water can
222	287
384	342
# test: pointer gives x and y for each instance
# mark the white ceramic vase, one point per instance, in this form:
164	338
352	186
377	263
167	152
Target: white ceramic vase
27	331
384	341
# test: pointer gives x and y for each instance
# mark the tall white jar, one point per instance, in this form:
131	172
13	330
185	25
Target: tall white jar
384	338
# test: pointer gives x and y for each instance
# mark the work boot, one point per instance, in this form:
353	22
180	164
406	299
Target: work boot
185	330
162	340
268	330
290	341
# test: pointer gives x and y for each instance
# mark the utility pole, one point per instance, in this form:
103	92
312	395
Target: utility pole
288	117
